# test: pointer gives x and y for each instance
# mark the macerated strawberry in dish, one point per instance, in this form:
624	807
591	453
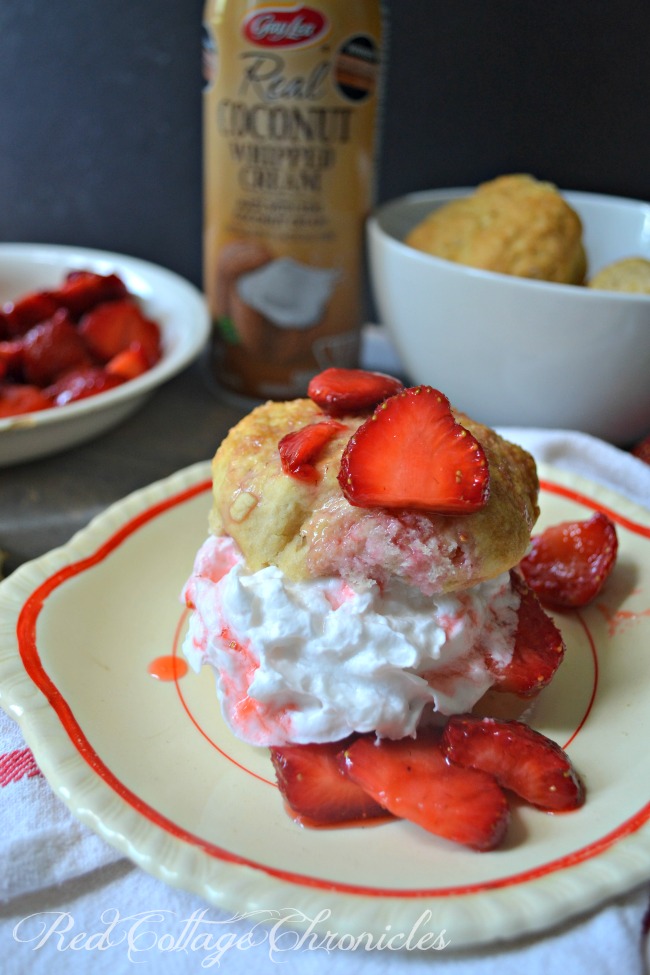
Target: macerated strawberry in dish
521	759
82	290
20	315
412	779
569	563
538	651
80	384
301	448
113	326
317	790
129	363
412	453
11	357
344	391
52	348
18	398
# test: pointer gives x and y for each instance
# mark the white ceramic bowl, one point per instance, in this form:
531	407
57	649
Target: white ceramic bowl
178	307
510	351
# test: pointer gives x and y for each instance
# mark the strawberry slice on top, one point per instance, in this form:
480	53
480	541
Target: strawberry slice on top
413	453
345	391
300	449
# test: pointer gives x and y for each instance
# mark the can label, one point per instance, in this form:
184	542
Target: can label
289	141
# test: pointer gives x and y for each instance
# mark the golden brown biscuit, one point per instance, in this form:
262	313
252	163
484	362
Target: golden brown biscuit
311	531
632	274
513	225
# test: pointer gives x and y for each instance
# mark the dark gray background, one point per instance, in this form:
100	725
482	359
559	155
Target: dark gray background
100	110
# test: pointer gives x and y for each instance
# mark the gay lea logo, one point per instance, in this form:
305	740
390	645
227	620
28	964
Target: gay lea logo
283	27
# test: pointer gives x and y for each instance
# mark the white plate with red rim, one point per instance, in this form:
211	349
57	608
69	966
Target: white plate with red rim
150	765
174	303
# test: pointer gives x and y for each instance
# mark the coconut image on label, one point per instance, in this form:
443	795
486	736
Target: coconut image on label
289	294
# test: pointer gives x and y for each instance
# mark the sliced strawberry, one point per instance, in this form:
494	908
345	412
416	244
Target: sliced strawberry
82	290
316	789
81	383
521	759
341	391
569	563
18	398
113	326
412	779
538	651
33	308
411	453
128	364
52	348
301	448
11	357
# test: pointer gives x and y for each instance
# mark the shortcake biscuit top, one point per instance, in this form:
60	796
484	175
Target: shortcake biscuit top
310	529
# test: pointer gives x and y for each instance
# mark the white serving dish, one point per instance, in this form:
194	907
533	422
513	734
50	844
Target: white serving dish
178	307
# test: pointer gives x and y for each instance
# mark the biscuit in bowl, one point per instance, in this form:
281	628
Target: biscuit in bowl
514	225
632	274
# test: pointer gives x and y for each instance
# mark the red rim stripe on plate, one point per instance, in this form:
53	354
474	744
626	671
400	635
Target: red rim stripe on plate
29	653
572	495
594	690
190	714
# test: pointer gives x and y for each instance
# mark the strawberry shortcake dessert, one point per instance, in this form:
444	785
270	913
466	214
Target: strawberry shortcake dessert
358	596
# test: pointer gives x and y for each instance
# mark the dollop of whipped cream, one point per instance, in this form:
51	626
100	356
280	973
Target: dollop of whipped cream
313	661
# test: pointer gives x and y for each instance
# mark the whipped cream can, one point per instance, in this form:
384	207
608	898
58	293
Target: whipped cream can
291	109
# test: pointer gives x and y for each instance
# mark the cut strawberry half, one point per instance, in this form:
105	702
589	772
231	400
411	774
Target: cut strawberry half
129	363
412	453
521	759
82	290
80	384
11	357
317	790
300	449
412	779
538	651
19	316
52	348
18	398
113	326
345	391
569	563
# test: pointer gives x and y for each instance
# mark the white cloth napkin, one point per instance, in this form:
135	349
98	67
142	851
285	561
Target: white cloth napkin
69	901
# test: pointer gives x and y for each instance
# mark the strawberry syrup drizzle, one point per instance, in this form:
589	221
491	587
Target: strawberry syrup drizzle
168	667
26	633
